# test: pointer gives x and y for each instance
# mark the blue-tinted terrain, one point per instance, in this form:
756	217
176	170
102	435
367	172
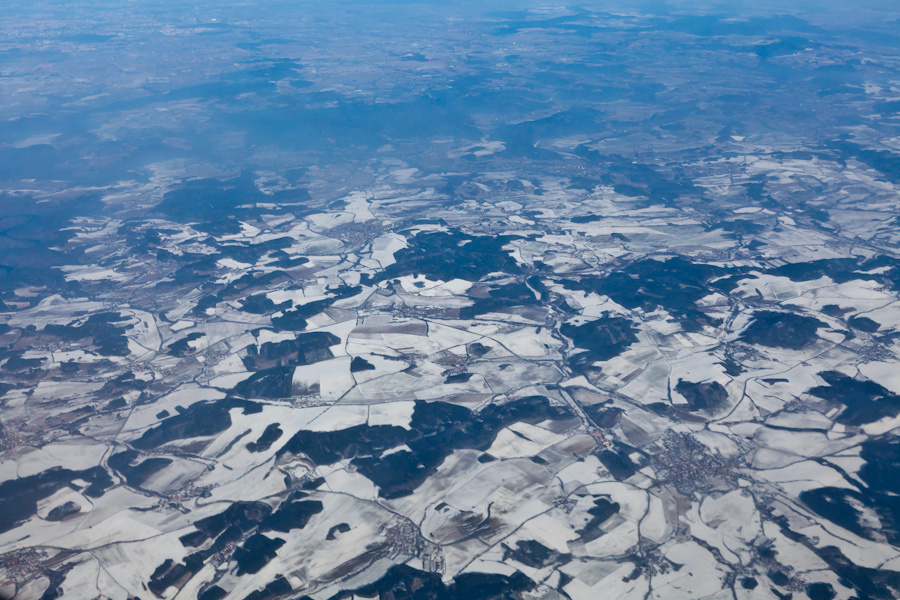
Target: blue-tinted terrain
449	301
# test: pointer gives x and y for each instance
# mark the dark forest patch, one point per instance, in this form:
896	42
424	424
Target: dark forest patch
337	529
102	329
437	429
618	463
260	304
451	255
505	298
781	330
291	515
359	364
305	349
533	554
840	270
182	346
269	436
295	319
277	588
274	383
887	163
675	285
256	553
866	401
702	396
603	338
67	509
199	419
602	510
881	473
864	324
400	580
137	474
243	516
820	591
19	497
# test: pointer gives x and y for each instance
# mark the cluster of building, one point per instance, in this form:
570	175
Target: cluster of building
433	558
18	565
601	439
565	503
688	464
404	538
12	435
358	233
175	500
